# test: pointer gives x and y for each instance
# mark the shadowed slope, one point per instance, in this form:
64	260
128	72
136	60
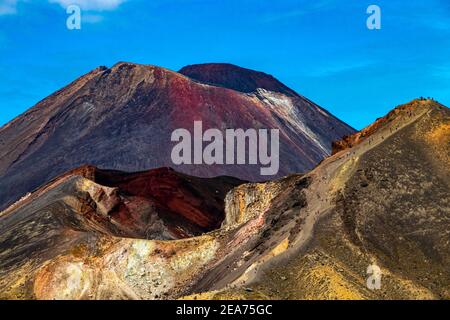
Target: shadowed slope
234	77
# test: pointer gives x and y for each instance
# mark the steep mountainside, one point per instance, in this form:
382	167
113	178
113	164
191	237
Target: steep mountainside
384	201
122	118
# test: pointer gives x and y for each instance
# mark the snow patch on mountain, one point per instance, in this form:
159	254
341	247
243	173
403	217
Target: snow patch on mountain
285	109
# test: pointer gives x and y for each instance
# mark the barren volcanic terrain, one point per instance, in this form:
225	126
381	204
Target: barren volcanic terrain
382	198
122	118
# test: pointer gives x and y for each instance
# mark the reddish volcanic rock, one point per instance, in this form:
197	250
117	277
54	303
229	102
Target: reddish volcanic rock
407	110
182	202
122	118
155	204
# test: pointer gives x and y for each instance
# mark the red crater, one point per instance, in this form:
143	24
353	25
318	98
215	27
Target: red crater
162	203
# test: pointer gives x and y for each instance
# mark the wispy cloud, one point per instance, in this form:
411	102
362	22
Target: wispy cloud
436	15
441	71
431	14
8	7
92	5
307	8
92	18
438	22
340	67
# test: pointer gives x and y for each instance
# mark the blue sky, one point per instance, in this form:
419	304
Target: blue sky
320	48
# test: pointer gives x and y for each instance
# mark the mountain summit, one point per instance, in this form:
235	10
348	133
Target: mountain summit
233	77
122	118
